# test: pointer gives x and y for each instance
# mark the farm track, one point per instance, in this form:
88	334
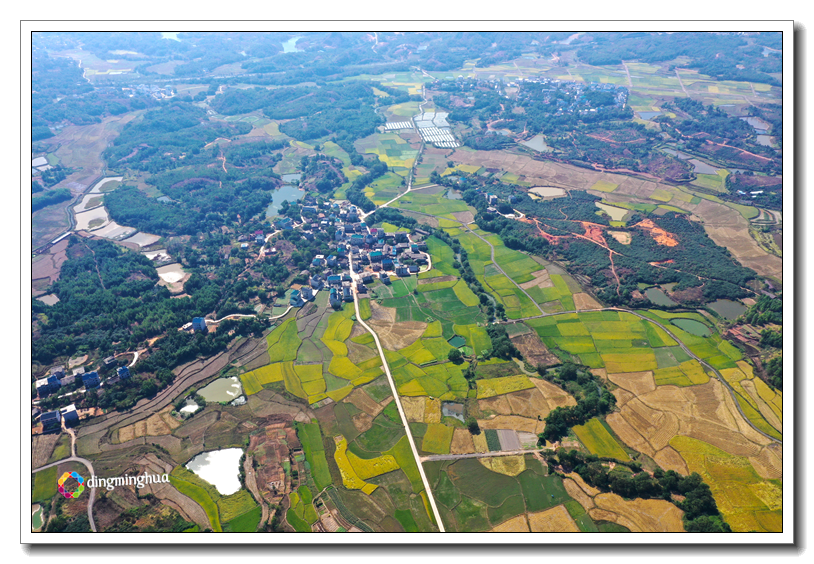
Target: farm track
481	454
83	461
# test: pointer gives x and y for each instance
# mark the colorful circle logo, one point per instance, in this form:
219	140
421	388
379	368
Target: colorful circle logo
75	492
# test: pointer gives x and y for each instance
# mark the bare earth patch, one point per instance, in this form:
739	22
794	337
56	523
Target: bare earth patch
541	279
622	236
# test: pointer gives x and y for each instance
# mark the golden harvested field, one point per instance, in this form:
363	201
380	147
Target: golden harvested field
517	524
360	399
508	465
636	382
161	423
641	515
746	500
513	422
394	336
462	442
578	494
554	520
669	459
583	301
413	408
432	410
479	442
554	395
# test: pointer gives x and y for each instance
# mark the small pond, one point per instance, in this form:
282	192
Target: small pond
290	45
287	178
760	125
658	297
727	308
616	214
218	467
702	167
691	326
456	410
36	518
222	389
678	154
190	407
285	193
765	140
453	194
538	144
548	191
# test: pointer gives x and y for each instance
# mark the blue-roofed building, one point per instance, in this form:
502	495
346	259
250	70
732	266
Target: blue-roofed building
316	282
413	269
334	279
296	299
199	325
387	263
51	420
284	223
306	293
334	299
331	260
123	372
90	379
69	415
346	294
259	239
376	256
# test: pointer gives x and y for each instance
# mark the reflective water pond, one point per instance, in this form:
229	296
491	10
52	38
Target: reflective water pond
218	467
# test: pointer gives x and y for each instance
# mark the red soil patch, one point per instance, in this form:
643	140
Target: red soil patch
660	262
659	235
593	232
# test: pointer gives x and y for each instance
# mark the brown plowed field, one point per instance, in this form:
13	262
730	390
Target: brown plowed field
533	349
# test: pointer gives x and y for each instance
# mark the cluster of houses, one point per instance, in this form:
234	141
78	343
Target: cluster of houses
57	378
372	251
